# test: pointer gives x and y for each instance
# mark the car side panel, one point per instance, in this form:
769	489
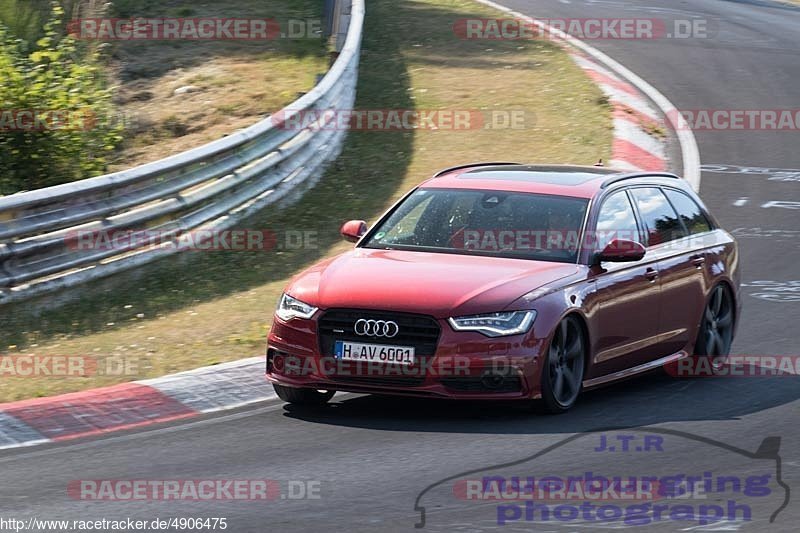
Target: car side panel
627	316
684	286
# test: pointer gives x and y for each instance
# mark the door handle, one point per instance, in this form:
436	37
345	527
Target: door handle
698	261
651	274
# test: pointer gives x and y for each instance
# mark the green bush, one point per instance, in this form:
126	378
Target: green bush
23	18
57	80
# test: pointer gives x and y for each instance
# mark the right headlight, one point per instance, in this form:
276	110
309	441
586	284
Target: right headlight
495	324
289	308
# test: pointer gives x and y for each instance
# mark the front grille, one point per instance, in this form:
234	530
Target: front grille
420	331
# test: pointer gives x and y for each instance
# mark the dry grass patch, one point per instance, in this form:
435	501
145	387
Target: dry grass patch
177	95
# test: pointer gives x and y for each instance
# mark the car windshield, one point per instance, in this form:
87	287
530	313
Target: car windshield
479	222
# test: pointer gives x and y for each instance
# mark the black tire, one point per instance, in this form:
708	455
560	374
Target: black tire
562	370
302	396
715	335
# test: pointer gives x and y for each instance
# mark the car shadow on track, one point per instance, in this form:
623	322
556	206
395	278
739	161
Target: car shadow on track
651	399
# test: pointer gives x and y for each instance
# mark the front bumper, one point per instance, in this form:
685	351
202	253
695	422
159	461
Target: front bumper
466	365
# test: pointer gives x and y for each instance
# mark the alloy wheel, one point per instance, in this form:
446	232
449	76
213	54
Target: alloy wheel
716	332
565	363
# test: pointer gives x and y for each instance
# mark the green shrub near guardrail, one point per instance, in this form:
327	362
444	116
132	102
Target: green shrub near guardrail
25	18
54	110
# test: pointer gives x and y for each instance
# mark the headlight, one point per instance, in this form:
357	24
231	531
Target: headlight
495	324
289	308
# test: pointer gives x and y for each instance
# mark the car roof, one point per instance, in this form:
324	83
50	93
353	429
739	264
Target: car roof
559	180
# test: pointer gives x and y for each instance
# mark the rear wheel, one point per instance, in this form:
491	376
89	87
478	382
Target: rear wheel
562	375
302	396
716	328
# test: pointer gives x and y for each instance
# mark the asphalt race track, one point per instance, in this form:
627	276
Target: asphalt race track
373	458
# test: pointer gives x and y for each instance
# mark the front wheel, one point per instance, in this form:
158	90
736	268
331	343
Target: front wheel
562	374
302	396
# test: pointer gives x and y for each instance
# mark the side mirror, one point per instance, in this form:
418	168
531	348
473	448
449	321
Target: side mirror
353	230
622	251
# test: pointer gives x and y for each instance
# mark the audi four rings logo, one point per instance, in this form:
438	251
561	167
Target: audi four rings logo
377	328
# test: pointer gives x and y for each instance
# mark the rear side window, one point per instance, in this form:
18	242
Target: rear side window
659	217
691	214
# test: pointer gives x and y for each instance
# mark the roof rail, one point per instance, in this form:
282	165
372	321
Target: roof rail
470	165
633	175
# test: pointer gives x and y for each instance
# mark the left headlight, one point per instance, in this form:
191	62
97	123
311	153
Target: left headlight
495	324
289	308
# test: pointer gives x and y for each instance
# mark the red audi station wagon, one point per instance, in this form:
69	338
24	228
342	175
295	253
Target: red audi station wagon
504	281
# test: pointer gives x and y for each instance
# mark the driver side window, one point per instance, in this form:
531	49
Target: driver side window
616	220
405	229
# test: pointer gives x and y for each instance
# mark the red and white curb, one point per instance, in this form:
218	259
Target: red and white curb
135	404
637	145
642	114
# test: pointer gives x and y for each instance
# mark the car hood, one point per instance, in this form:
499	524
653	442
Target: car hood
435	284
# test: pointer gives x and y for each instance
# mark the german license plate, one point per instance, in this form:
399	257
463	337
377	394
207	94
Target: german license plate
379	353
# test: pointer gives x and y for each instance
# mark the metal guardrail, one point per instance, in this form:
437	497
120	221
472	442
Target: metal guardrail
211	187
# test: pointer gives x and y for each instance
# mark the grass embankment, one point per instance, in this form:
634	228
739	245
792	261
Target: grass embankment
229	84
214	307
